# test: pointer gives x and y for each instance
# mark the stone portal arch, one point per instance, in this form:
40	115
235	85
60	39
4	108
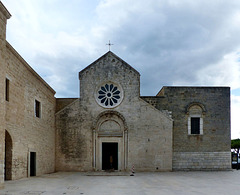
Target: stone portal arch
8	157
195	104
110	131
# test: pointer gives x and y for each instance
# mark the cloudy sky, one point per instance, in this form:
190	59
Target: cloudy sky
170	42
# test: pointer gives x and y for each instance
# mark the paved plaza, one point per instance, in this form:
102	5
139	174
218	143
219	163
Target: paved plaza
222	182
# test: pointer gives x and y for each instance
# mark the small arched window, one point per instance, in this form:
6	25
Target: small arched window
195	119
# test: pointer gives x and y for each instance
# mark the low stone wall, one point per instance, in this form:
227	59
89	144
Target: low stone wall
201	161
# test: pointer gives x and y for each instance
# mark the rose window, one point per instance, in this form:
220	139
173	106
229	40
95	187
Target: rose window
109	95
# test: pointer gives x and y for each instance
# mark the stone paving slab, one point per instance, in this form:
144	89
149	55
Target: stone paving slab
104	173
181	183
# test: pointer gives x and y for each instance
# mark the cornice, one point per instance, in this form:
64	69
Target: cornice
17	55
4	10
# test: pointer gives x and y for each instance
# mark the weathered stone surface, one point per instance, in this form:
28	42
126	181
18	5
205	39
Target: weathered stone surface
151	133
26	133
146	138
201	161
29	133
3	22
63	102
216	120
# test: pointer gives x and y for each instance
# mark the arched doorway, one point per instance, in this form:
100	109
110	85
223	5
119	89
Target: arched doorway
110	142
8	157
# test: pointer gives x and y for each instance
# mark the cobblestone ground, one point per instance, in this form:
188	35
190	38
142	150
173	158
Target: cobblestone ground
226	182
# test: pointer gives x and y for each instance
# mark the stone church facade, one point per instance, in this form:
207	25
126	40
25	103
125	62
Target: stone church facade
110	126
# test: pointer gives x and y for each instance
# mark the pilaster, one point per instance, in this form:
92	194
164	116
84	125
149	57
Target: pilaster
4	15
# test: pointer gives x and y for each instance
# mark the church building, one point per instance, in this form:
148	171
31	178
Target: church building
110	126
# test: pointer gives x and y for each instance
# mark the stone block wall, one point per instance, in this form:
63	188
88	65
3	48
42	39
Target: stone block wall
201	161
150	138
4	15
25	132
21	132
2	120
109	68
28	132
74	138
216	123
145	140
63	102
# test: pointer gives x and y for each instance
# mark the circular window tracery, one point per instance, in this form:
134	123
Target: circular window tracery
109	95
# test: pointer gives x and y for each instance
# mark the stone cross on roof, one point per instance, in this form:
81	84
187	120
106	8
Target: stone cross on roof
109	44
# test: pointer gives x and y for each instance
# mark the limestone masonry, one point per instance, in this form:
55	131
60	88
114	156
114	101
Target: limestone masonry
110	127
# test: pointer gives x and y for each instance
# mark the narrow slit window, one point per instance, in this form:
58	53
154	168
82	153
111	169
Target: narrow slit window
37	109
195	125
7	90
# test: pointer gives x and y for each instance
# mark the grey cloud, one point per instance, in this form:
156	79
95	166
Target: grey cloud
168	42
173	47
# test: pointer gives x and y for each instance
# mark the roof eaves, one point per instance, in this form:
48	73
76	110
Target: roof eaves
81	72
29	67
4	10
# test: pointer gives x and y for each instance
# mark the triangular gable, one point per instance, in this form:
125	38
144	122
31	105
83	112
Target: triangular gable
106	54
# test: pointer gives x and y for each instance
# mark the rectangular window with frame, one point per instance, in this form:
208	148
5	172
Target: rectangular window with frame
37	109
195	125
7	90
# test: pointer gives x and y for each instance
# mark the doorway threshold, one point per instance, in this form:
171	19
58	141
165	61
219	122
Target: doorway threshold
108	173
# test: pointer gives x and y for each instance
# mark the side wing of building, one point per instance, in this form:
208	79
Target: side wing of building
201	130
27	115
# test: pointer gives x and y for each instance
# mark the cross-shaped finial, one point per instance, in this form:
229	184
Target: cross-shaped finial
109	45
